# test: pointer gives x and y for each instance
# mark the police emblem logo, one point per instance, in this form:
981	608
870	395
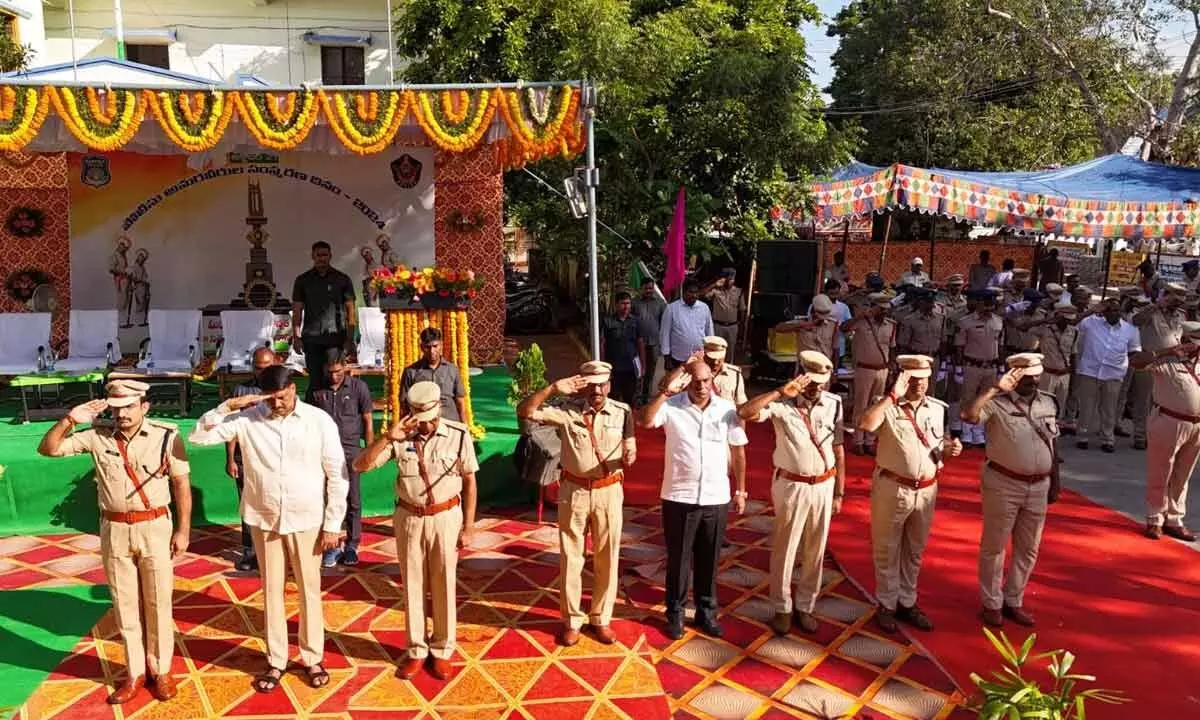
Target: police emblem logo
406	171
95	171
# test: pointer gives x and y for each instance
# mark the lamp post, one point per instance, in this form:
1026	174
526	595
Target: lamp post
591	181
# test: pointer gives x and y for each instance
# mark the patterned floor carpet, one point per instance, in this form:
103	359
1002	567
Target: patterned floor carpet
508	665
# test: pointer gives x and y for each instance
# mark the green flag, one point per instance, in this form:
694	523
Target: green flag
635	275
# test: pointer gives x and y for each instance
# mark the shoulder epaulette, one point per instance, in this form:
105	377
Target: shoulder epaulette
936	401
620	405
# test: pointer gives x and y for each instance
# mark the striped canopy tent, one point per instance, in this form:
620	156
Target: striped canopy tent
1114	196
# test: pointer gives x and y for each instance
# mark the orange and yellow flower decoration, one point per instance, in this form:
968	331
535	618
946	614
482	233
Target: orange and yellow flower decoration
404	348
540	122
401	284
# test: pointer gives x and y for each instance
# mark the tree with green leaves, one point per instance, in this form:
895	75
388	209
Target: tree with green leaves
712	95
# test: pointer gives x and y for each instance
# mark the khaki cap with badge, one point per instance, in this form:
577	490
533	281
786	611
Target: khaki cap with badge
1054	289
425	400
816	366
1176	289
821	304
955	280
918	366
1020	274
123	393
715	347
1029	363
880	299
595	372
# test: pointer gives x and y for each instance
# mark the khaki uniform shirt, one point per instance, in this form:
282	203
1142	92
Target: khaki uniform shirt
795	450
953	310
822	339
1175	388
1159	330
612	426
1015	441
448	454
900	448
1057	346
730	384
155	454
726	302
871	342
1017	333
921	334
979	337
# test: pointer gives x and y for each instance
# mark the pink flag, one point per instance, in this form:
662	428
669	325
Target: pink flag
673	248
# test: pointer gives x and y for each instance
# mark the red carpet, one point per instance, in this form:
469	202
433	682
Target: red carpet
1129	608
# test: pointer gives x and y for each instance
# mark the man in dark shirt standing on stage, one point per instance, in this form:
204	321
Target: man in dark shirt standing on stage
347	399
434	368
323	314
622	347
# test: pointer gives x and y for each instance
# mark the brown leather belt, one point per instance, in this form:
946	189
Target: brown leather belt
1052	371
906	481
808	479
868	366
979	363
428	510
1179	416
135	516
595	483
1031	479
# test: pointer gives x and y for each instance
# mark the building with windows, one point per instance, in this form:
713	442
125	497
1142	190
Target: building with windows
246	42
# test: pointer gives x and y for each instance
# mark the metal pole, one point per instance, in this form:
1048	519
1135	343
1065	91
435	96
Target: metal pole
391	46
887	233
592	179
120	29
74	54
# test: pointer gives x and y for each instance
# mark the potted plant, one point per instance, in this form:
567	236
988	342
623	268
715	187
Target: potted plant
1010	694
528	376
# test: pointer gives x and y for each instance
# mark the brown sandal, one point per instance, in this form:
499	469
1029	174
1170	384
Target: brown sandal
269	680
317	676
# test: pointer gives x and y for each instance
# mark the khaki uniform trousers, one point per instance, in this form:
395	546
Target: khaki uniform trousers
1098	401
802	513
900	521
976	381
600	512
1171	454
137	562
868	384
1015	509
428	551
1058	386
276	553
1141	387
730	334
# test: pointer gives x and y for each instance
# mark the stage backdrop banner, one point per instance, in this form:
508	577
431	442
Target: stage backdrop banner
161	232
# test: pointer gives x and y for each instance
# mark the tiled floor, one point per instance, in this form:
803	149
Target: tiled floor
508	664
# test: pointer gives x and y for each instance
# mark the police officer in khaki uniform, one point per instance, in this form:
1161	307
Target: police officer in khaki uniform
807	489
872	348
1160	327
1174	432
435	516
920	332
1056	339
977	348
727	380
140	464
912	443
597	446
818	333
1020	478
954	306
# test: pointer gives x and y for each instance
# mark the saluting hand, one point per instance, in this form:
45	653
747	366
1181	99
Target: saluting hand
900	389
87	412
677	385
570	385
1008	382
402	429
795	386
244	401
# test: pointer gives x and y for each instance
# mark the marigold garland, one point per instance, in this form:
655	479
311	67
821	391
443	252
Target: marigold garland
100	127
22	112
539	130
194	121
274	127
431	111
372	123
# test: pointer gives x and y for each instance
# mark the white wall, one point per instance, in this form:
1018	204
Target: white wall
220	39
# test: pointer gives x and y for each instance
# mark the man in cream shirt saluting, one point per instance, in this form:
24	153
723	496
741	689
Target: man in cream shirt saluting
294	501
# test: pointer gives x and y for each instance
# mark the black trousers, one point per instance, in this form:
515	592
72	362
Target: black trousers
247	538
693	534
624	386
315	349
645	390
353	521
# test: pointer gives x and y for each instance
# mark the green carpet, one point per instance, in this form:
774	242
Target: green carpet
29	648
47	495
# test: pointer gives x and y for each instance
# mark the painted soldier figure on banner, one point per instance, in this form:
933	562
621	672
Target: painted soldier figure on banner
118	263
387	258
369	266
137	291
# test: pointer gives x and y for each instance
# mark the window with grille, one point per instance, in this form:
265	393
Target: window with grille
152	55
343	65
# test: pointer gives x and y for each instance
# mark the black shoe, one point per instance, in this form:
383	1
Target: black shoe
1082	444
1120	432
350	556
248	563
1139	444
674	628
1108	448
1067	430
913	616
710	628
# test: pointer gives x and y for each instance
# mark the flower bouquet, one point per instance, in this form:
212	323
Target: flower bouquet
433	288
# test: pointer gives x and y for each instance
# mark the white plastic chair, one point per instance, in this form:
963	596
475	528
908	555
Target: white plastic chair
372	341
23	337
174	344
92	341
242	333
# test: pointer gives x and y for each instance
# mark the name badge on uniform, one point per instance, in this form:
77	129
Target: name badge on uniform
112	452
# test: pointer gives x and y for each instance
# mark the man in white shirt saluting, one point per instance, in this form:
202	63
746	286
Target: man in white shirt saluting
294	501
